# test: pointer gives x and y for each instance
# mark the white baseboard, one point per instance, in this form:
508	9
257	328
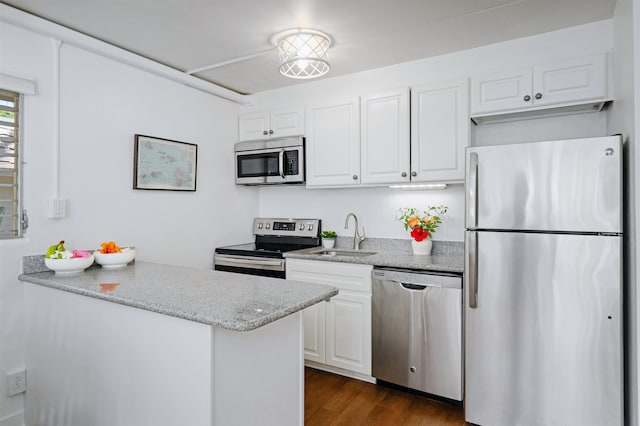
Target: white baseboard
336	370
15	419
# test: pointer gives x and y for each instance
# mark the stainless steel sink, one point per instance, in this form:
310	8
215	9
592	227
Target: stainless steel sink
345	253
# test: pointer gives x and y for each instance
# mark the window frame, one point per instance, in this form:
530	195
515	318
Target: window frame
17	214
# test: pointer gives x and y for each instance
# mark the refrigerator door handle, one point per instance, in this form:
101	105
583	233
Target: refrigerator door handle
472	267
472	192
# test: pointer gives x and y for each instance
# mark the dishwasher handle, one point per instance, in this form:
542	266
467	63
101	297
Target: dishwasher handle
412	286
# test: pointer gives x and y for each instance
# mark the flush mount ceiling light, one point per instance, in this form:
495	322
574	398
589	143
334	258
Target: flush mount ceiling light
303	53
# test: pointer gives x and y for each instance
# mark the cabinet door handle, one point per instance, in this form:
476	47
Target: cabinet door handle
538	95
270	132
355	177
527	98
264	132
414	174
403	174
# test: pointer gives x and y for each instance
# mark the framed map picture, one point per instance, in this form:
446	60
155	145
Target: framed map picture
164	164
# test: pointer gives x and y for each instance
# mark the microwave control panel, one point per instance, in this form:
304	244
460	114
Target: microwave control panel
291	163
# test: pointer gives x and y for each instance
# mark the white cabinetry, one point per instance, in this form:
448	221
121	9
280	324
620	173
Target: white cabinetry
385	137
501	91
314	331
439	131
559	84
348	332
271	124
333	143
337	333
398	145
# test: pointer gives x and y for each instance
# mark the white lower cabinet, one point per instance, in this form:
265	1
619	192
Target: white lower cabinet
314	333
337	333
348	332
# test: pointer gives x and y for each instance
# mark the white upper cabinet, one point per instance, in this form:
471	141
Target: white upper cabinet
416	135
573	80
439	131
278	123
385	137
553	85
501	91
333	143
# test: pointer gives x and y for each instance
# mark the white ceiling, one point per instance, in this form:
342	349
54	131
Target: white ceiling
191	34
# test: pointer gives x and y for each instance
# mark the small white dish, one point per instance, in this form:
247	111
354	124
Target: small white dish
115	260
69	266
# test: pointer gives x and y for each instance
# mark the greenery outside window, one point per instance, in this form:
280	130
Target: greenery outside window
10	196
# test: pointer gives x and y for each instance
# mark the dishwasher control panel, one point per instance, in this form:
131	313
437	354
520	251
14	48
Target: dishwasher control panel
422	278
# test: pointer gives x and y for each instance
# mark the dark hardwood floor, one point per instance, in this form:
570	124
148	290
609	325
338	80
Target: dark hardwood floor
335	400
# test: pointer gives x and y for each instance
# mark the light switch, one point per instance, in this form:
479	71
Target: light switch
57	208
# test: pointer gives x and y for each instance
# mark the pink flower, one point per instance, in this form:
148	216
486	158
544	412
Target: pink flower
80	253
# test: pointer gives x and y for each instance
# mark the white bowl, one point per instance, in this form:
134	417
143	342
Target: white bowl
115	260
69	266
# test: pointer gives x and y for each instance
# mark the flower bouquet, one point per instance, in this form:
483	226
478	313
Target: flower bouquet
422	223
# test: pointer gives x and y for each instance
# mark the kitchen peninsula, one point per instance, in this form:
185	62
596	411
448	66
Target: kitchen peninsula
165	345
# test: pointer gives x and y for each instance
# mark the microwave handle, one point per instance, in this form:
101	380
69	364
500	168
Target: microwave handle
281	163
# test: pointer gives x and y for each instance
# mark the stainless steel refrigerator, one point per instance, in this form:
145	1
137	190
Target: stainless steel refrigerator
543	284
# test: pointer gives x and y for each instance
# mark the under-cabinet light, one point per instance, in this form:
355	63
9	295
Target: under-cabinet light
416	186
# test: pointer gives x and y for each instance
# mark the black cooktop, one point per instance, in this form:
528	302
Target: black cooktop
260	249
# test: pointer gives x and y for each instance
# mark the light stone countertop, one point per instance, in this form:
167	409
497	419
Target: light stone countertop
232	301
447	256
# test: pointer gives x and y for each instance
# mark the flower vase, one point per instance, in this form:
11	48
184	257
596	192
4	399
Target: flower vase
422	248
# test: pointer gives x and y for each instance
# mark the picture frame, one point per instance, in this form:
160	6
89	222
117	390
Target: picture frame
164	164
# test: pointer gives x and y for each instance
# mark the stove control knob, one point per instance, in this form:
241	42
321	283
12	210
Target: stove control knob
268	226
301	227
260	225
310	227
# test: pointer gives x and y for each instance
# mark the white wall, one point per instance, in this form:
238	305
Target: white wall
103	104
376	208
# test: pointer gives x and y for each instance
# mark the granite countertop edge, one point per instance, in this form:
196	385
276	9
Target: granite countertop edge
49	279
448	263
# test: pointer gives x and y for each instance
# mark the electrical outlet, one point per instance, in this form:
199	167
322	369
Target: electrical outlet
17	382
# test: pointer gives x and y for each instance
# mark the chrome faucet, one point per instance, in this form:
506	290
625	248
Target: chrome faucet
357	238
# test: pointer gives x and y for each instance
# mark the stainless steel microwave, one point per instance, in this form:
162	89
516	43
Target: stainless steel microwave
270	162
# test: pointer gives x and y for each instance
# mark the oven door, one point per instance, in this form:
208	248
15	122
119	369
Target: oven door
250	265
270	166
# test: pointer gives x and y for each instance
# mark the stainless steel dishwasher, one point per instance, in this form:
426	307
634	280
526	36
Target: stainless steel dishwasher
417	331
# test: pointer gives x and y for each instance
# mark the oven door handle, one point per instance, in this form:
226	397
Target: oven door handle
281	163
252	261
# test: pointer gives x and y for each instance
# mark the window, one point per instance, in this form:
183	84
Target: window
10	199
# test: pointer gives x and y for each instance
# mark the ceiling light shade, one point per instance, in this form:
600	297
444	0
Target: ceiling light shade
303	53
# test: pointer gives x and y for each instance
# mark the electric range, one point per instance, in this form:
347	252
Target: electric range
273	238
